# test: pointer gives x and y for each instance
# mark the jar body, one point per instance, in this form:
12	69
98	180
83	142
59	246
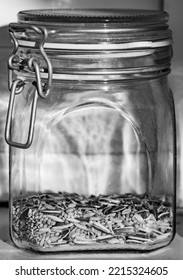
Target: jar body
100	173
92	93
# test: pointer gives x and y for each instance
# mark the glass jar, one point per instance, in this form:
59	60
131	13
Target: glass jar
91	129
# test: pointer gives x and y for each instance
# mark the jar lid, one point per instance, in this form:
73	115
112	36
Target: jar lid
98	29
72	37
126	16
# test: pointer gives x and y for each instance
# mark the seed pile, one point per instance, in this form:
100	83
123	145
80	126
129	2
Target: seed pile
49	220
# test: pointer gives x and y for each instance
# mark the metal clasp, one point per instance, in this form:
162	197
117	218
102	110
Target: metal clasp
14	62
16	86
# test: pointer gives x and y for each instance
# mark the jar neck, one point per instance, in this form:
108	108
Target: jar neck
101	65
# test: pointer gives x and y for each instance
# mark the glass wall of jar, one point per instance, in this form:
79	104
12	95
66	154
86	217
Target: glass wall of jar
91	129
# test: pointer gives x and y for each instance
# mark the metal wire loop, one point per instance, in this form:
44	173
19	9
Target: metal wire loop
13	62
43	90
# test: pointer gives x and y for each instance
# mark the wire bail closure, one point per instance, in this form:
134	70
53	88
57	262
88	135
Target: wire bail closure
16	86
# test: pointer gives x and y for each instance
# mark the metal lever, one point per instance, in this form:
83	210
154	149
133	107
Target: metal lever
14	91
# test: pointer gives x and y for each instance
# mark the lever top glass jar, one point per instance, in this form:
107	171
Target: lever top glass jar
91	129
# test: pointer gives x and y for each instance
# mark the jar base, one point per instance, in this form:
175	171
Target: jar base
98	247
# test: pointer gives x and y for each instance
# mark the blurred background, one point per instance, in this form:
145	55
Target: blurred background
8	12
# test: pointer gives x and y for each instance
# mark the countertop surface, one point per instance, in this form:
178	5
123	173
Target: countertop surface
174	251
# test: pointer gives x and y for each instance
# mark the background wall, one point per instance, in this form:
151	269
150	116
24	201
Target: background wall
8	11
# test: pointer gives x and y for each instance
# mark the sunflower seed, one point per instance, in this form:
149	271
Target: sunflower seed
81	226
163	214
100	227
72	205
160	208
116	220
104	237
139	218
72	220
83	240
110	227
42	240
142	211
138	238
88	215
51	212
62	227
158	232
119	208
96	218
86	242
49	206
128	230
55	218
126	211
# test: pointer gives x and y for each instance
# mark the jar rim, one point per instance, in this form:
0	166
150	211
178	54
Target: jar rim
130	17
